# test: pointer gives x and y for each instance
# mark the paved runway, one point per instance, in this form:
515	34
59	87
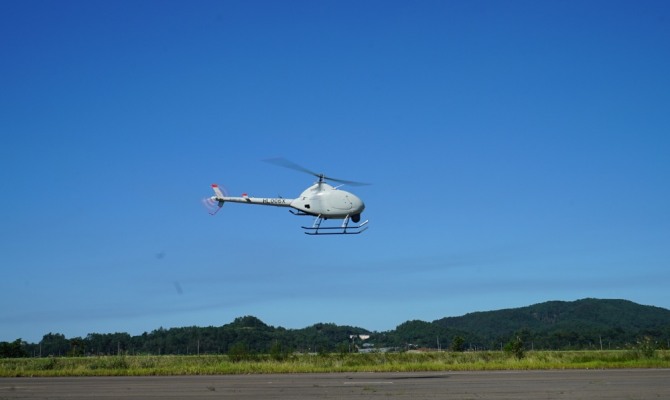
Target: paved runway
571	384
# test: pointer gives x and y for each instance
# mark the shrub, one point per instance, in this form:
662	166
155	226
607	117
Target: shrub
515	347
238	352
277	353
646	347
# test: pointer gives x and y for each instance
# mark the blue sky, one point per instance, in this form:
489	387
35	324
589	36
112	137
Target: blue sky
518	152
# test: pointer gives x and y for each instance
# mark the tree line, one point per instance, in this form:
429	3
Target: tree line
583	324
247	333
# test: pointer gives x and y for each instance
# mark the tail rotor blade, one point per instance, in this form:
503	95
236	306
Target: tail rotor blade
212	205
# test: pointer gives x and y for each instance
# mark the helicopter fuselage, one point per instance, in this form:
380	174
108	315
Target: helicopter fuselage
320	200
329	202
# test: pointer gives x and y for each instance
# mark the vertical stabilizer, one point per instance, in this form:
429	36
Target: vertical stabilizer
217	191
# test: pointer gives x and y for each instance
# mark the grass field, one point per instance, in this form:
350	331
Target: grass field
304	363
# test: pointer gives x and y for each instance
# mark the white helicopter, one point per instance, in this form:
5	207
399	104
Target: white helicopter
320	200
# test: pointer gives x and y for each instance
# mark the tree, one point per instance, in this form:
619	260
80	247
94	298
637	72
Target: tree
458	344
55	344
76	347
12	350
515	347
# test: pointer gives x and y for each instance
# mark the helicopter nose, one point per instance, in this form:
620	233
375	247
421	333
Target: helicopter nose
357	204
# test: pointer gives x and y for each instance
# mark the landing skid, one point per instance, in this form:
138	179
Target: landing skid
344	229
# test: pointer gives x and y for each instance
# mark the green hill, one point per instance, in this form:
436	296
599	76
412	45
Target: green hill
559	324
553	325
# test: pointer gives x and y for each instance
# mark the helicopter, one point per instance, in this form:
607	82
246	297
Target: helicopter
321	201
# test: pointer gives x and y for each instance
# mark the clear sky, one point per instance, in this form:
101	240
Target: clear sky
519	152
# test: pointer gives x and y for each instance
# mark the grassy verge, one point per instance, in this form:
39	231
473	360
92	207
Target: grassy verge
303	363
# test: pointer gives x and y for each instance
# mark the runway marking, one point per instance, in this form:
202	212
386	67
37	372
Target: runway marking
368	383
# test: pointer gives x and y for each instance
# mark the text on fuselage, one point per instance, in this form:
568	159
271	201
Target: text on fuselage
275	201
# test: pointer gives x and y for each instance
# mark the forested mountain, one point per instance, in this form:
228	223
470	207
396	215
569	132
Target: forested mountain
581	324
559	324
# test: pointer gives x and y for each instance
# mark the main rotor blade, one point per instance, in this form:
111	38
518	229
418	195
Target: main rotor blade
350	183
282	162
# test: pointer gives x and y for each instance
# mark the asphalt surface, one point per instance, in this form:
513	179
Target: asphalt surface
571	384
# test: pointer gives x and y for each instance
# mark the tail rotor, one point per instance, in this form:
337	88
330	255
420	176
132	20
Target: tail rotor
213	204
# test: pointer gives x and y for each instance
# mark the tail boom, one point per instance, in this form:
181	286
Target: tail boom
264	201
